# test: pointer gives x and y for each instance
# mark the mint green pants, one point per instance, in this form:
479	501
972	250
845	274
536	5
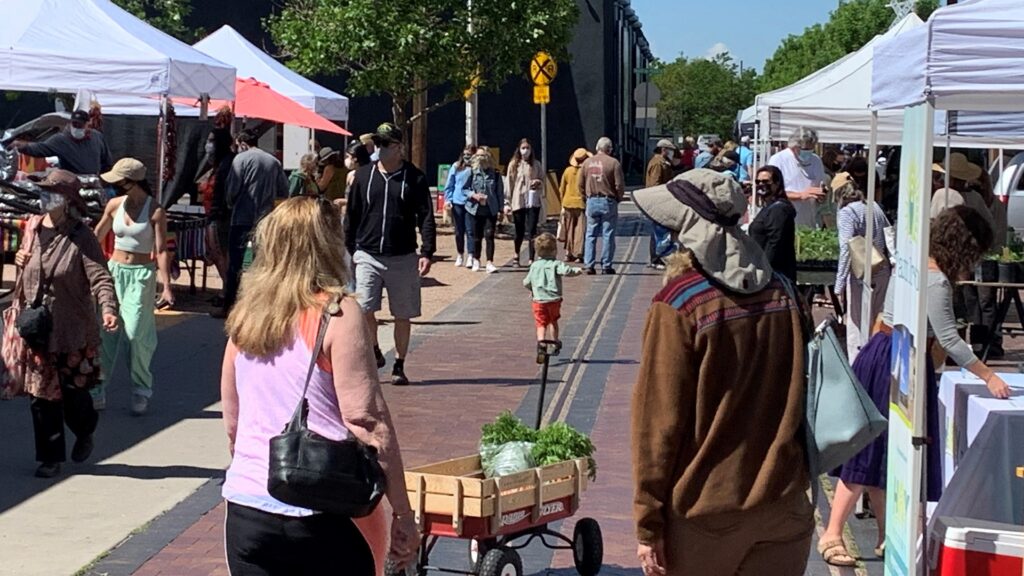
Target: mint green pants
136	292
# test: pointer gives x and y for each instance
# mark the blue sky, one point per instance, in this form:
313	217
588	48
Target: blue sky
749	29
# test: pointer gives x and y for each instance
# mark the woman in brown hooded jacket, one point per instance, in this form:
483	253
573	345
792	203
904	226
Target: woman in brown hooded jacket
720	477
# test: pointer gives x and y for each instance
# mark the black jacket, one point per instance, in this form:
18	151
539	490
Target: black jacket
384	212
774	229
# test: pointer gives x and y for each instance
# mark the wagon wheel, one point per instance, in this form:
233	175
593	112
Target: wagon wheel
478	548
501	561
588	547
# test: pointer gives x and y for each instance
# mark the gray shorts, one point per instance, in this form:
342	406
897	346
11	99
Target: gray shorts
400	275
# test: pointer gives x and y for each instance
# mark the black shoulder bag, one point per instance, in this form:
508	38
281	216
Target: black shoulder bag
310	471
35	323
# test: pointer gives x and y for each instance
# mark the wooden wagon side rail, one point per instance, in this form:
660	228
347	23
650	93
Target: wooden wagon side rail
457	488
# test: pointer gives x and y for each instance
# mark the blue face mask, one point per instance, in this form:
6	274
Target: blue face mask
806	156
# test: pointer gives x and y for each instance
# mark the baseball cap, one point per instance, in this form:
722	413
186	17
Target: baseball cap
387	133
125	169
80	116
60	181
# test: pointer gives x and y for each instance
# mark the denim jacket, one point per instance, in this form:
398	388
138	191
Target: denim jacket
456	190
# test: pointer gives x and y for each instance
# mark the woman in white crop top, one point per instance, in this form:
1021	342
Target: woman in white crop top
139	225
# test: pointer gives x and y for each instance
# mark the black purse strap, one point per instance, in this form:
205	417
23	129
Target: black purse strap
298	420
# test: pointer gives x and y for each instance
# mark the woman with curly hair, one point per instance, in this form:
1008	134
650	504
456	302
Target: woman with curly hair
960	236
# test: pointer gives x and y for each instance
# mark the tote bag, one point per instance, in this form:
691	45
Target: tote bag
841	419
13	349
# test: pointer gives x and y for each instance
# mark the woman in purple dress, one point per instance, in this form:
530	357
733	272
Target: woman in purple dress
960	236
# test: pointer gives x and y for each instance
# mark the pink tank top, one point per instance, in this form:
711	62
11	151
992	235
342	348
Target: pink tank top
268	391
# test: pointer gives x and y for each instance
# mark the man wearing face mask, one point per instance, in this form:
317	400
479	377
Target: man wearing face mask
388	201
79	149
803	173
255	180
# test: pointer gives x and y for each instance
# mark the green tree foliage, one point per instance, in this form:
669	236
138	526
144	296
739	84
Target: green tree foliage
400	48
167	15
849	28
702	96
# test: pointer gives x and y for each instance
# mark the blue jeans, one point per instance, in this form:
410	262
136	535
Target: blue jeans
602	215
238	241
463	228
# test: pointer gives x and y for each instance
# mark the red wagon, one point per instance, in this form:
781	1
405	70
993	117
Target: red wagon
502	515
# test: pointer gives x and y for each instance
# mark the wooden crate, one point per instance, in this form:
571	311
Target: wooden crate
457	488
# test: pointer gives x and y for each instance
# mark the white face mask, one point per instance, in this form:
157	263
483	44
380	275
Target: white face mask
350	163
78	133
210	148
50	201
525	152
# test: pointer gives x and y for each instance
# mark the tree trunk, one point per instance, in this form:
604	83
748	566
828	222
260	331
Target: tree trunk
419	127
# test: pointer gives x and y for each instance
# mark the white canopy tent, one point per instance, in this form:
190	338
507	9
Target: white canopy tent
70	45
834	100
969	56
227	45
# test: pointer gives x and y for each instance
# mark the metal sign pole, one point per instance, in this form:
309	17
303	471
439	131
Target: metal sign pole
544	146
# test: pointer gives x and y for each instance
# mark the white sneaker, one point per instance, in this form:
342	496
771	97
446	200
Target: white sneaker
458	261
491	268
476	265
469	261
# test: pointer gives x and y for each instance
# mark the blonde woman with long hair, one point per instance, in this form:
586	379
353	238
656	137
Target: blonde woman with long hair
299	272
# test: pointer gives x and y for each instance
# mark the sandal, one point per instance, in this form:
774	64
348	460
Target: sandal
834	552
880	550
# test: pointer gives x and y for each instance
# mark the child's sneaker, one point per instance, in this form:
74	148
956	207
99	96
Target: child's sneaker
476	265
558	348
542	352
458	261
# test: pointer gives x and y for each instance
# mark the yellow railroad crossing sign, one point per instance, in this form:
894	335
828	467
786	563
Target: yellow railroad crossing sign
543	69
541	94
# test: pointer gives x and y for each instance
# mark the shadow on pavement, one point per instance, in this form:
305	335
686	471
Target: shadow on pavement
151	472
187	366
606	570
492	381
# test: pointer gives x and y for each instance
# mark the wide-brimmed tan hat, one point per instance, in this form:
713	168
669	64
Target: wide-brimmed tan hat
579	153
125	169
705	208
963	169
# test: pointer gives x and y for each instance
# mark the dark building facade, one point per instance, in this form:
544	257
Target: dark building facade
590	98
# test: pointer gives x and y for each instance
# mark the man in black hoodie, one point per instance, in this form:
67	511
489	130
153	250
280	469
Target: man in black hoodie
388	201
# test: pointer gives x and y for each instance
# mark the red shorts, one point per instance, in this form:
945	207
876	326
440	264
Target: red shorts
547	313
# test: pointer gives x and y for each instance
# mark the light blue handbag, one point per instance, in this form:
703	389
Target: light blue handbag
841	418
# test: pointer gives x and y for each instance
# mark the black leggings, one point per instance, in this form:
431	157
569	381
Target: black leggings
483	228
263	544
526	220
49	417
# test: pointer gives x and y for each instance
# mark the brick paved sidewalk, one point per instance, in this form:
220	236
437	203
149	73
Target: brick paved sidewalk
468	363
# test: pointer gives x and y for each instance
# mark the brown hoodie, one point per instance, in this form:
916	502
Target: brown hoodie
718	405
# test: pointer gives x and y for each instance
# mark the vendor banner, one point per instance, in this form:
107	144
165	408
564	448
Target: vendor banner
909	347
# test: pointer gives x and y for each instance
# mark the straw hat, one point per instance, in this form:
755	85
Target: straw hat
579	157
962	169
705	207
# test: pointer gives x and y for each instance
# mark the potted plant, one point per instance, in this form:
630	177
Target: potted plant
988	269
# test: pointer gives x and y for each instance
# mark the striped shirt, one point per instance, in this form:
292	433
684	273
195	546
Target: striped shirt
852	222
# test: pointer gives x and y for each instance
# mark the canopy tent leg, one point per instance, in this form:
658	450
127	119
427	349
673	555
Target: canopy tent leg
867	288
162	147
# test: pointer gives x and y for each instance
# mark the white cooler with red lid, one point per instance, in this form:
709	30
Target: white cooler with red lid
968	547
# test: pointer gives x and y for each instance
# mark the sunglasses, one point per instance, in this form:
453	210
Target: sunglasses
765	182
